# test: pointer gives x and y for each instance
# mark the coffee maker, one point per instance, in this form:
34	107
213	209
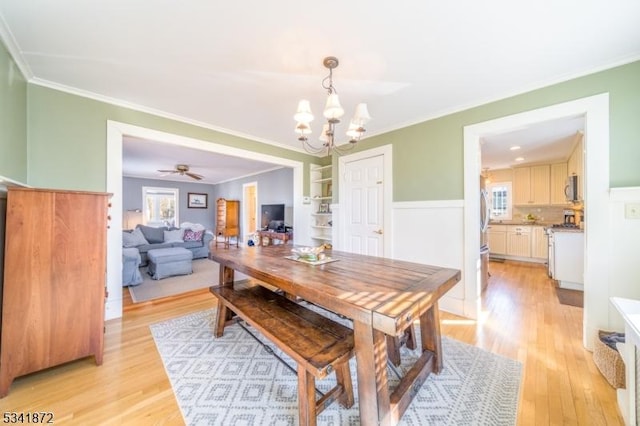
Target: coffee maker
569	218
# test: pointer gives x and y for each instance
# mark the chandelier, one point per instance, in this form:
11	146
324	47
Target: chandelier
333	111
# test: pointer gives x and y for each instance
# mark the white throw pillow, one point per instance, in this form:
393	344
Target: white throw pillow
192	226
133	239
174	236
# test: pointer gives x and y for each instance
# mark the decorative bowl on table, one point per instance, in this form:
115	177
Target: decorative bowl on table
311	254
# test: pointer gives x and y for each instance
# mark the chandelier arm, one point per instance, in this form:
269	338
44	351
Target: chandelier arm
343	149
312	149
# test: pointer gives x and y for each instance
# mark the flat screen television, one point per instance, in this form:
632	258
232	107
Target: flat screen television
272	216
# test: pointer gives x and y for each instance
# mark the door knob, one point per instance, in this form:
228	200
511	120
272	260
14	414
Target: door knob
379	231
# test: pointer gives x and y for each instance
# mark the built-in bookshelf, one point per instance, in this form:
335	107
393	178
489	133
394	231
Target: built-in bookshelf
321	196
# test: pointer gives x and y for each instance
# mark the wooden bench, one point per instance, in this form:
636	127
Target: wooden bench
317	344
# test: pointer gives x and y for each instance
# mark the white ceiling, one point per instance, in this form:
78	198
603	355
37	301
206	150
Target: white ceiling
241	67
539	143
143	158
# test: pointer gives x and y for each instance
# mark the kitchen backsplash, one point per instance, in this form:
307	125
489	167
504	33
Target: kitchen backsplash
547	214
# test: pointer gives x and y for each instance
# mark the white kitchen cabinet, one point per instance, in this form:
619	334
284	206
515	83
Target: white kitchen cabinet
519	241
521	185
531	185
539	243
558	180
497	239
569	259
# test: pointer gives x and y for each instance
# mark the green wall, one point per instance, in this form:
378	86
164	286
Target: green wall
428	157
13	119
67	138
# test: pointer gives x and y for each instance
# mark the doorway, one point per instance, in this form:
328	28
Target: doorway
249	209
115	133
597	244
372	232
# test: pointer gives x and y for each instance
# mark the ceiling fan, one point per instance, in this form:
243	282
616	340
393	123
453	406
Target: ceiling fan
182	169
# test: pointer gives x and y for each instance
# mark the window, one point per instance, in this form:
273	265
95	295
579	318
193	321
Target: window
500	200
159	206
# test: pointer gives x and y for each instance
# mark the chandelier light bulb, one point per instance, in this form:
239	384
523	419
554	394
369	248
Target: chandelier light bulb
352	131
333	110
324	135
303	115
303	128
361	116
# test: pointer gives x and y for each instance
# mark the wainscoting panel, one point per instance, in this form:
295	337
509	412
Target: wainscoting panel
432	232
625	268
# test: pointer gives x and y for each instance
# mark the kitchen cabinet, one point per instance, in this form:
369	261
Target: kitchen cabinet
524	242
558	180
497	239
531	185
519	241
539	243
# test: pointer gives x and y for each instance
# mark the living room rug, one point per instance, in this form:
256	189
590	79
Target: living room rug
233	380
205	274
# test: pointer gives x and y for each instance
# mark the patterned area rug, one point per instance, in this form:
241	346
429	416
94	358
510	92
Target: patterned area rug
233	380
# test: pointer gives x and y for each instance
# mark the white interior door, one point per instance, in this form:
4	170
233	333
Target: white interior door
364	206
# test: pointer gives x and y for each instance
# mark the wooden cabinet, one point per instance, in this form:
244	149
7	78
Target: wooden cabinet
321	195
519	241
526	243
558	180
227	221
521	185
539	243
54	280
531	185
497	239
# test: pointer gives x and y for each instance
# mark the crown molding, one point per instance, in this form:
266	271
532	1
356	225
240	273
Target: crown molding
157	112
6	182
12	47
507	95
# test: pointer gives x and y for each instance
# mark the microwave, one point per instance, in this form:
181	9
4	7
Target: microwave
571	189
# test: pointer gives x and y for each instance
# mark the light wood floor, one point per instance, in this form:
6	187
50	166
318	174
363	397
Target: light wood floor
522	319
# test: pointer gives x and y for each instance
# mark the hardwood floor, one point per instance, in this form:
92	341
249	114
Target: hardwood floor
522	319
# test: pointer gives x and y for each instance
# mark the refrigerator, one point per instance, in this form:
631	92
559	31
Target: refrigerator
485	214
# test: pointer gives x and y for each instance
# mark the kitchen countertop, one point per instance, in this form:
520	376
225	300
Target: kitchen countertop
519	223
548	225
560	229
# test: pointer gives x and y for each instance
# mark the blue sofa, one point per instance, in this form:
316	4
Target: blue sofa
131	267
154	238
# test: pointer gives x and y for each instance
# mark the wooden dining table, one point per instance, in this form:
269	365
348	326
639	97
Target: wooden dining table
382	296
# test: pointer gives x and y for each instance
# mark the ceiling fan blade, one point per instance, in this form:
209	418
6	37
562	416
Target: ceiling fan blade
194	176
167	171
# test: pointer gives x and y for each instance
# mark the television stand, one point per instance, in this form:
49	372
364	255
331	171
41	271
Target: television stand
267	237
